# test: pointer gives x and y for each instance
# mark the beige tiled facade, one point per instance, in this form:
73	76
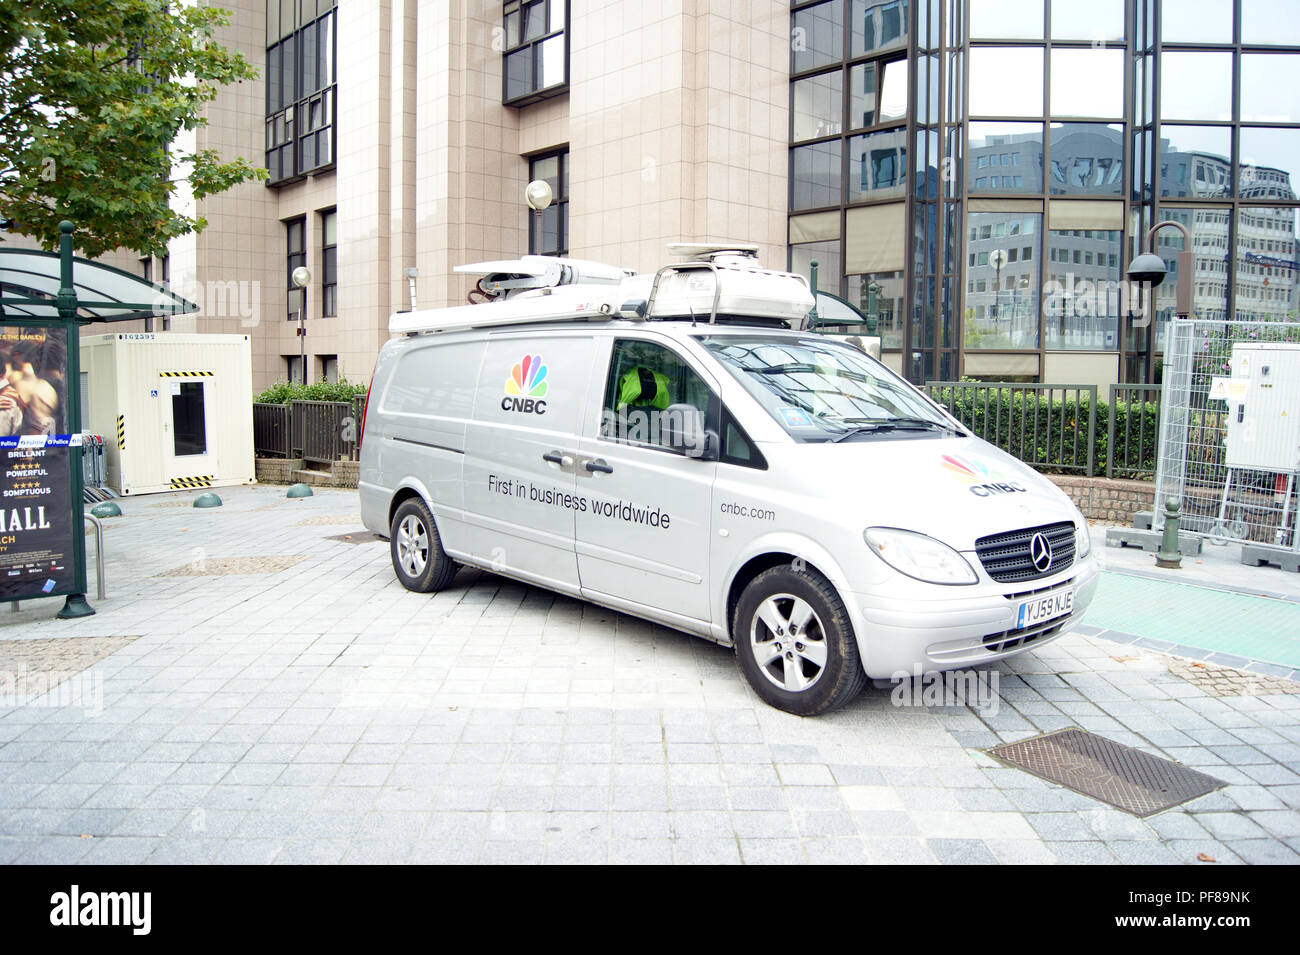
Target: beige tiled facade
675	120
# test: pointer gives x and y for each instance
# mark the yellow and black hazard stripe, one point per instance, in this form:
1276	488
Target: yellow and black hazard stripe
186	374
203	480
121	432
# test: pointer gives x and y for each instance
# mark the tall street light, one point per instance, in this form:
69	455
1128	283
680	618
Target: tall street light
301	277
999	258
1148	269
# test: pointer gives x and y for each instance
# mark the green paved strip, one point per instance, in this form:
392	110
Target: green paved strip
1260	628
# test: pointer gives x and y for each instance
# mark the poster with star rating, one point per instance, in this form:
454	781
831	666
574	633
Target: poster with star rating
36	549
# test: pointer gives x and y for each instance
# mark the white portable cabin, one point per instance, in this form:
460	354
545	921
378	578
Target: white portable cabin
175	409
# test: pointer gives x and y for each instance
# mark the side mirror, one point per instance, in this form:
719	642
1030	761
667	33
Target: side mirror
683	430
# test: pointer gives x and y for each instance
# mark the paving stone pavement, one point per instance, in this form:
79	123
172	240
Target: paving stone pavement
317	712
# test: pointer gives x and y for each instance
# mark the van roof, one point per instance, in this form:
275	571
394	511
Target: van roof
723	281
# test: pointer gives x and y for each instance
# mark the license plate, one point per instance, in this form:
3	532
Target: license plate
1042	609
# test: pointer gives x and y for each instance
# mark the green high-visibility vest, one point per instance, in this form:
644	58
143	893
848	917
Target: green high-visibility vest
641	386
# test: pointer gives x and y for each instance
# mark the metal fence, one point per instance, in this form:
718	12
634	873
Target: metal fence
1132	423
1230	430
319	432
1047	426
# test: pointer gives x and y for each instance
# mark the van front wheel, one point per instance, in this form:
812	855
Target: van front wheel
795	643
418	558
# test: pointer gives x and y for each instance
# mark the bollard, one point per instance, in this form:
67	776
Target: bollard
1168	556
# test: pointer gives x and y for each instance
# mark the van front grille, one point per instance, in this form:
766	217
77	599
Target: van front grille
1013	556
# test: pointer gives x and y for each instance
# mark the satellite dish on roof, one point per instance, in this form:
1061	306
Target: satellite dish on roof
707	250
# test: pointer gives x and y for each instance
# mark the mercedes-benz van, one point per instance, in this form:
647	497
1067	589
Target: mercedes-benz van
676	447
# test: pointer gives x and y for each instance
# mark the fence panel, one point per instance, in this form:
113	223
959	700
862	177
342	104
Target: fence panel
1047	426
271	430
325	431
1132	422
1229	431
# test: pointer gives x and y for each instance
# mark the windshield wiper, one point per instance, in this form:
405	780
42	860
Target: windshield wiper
895	424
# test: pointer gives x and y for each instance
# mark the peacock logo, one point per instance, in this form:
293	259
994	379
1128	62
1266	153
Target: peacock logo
984	481
528	377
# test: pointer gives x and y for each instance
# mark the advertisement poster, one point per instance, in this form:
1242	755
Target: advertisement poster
32	391
36	454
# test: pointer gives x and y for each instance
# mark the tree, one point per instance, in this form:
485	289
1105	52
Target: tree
93	94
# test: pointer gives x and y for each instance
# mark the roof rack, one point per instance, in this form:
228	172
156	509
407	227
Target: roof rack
546	289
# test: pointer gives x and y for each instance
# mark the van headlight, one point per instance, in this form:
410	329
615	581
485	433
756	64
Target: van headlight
1082	540
919	556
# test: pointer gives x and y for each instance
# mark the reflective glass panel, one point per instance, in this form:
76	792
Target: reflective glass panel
1268	270
1002	279
876	25
1005	157
1097	20
1195	161
1006	81
1196	85
1196	21
1270	21
877	165
817	36
893	91
1270	87
816	105
888	302
1082	295
1267	158
862	95
1087	82
815	179
1087	159
1006	19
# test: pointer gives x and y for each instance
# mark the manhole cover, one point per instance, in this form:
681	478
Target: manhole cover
353	519
1117	775
1218	680
357	537
229	566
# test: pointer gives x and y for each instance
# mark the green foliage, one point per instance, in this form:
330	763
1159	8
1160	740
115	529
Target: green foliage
1052	435
283	392
94	95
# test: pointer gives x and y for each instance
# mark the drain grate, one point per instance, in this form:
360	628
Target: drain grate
1117	775
356	537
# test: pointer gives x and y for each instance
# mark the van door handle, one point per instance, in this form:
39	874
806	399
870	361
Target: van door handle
558	457
599	465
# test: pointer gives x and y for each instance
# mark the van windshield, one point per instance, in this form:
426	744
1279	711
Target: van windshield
819	390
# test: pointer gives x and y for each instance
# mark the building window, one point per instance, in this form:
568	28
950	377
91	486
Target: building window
295	232
548	231
329	277
536	51
300	87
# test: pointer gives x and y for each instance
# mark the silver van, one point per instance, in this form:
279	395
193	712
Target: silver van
677	448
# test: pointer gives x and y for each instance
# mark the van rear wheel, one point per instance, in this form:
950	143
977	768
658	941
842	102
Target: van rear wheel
418	558
795	643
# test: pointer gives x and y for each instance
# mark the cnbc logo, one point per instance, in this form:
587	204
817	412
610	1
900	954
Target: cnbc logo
983	480
526	385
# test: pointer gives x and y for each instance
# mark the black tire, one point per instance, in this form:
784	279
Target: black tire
825	660
416	549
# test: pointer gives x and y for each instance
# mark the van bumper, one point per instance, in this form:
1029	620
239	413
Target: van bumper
898	637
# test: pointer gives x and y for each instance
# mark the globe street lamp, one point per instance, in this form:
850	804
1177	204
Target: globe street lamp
538	195
1149	269
301	277
999	258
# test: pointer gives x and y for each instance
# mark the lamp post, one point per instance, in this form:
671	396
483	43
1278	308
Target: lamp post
873	317
538	195
1149	269
999	258
301	277
411	273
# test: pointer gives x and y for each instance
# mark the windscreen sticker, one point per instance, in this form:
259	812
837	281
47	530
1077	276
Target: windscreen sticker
984	480
796	417
628	511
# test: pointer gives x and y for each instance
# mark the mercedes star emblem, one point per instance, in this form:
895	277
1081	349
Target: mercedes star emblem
1040	552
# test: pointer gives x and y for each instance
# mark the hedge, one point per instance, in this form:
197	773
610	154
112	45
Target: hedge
283	392
1042	431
